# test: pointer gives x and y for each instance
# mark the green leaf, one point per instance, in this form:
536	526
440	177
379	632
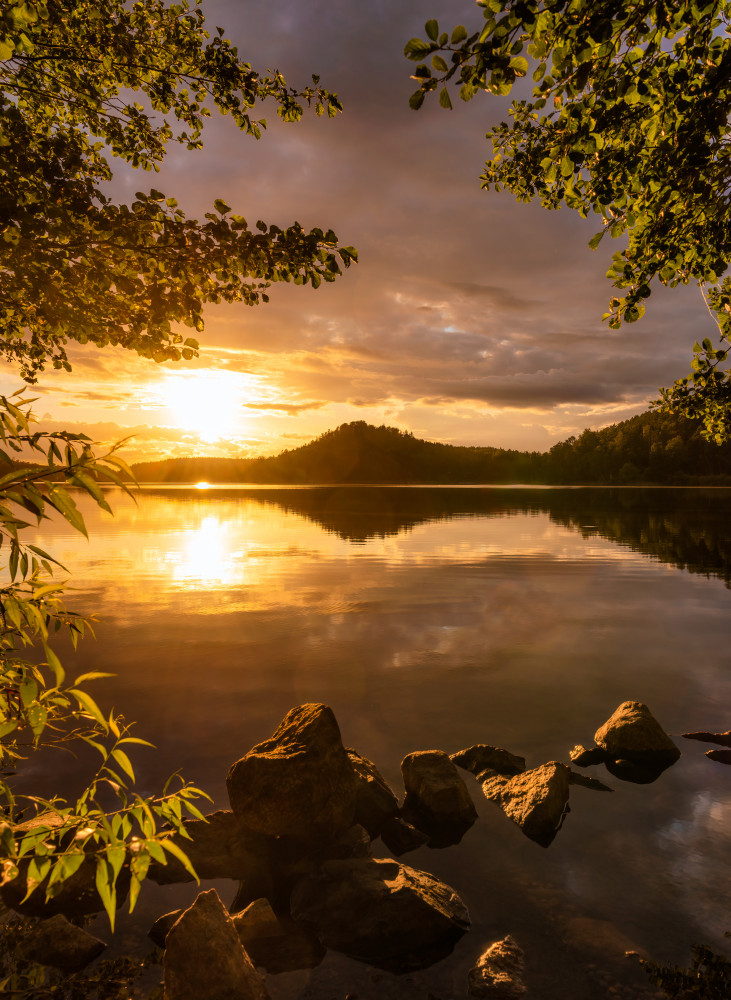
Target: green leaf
172	848
105	880
459	34
124	762
88	704
432	29
444	98
416	50
67	508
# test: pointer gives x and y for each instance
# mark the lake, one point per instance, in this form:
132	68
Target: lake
437	618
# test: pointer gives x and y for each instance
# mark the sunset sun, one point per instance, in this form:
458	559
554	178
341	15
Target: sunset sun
207	403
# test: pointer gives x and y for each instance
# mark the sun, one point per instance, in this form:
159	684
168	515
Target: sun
208	403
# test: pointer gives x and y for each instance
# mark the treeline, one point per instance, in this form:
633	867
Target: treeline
650	448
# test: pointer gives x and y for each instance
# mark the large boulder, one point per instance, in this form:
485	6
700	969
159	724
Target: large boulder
437	800
632	733
278	944
219	847
60	944
300	784
381	912
497	975
536	800
204	957
375	802
482	757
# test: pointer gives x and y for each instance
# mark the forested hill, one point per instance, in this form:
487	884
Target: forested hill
650	448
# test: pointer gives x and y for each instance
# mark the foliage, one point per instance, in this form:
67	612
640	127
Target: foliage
109	822
83	80
627	120
708	978
110	979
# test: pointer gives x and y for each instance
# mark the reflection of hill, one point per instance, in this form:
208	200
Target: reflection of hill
687	528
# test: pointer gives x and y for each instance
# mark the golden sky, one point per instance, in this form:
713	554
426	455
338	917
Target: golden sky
470	319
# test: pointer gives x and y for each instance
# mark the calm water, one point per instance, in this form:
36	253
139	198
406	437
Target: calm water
435	619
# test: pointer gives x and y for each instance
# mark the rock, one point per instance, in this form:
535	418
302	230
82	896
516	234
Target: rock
159	930
639	774
537	800
300	784
632	733
437	800
276	943
722	756
381	912
375	801
76	897
401	837
64	946
498	972
220	847
483	757
204	957
586	756
723	739
586	782
354	843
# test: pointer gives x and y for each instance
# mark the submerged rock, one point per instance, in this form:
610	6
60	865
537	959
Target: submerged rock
278	944
299	784
437	800
498	973
586	782
722	756
381	912
62	945
375	802
632	733
401	837
723	739
536	800
159	930
482	757
204	957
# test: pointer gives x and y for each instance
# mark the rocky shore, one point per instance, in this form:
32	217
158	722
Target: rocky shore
301	838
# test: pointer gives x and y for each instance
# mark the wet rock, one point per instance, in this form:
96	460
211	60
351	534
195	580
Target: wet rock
381	912
437	800
632	733
498	973
204	957
276	943
220	847
375	801
483	757
722	756
723	739
586	782
586	756
62	945
401	837
300	784
537	800
76	897
638	774
159	930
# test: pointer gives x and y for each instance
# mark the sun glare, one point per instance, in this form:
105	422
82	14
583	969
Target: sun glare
210	404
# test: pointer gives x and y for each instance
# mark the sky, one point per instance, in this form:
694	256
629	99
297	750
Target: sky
470	318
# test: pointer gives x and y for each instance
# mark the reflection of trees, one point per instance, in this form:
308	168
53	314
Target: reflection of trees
687	528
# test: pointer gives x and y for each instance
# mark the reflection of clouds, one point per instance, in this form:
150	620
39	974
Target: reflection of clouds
697	847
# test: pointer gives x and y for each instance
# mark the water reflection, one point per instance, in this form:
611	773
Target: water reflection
440	619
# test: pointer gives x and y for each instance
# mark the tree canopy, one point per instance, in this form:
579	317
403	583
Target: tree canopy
83	82
628	119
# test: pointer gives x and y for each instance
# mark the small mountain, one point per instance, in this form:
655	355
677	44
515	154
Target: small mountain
653	447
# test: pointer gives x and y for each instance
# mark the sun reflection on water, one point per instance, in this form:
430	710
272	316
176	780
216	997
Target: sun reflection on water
206	556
